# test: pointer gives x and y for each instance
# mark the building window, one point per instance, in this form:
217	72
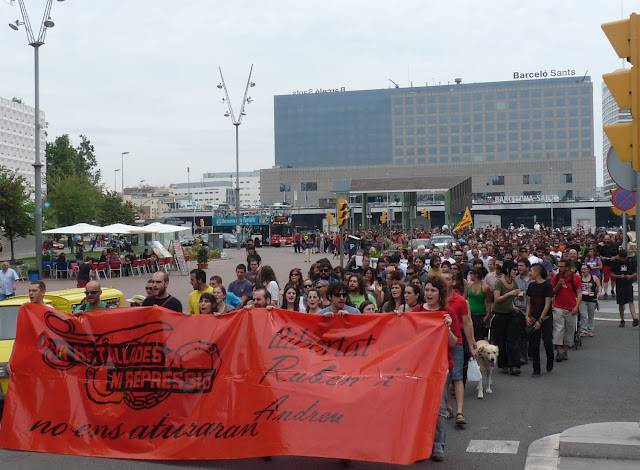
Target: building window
566	195
311	186
495	180
532	179
566	178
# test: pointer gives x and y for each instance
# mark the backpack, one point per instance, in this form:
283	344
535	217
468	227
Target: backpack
573	283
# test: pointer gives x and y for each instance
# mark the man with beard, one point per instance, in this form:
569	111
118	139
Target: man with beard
198	279
337	294
160	282
37	290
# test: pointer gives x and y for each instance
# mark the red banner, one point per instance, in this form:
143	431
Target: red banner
148	383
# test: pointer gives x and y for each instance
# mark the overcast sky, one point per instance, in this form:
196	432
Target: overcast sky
141	75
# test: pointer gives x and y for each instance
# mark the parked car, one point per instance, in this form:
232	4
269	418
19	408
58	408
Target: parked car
187	240
62	300
229	240
52	245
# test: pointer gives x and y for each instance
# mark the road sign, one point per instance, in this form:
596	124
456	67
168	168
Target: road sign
621	172
623	199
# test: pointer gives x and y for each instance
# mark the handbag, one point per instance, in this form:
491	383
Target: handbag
473	371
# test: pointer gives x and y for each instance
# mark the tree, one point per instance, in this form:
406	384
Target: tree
87	154
114	210
63	159
16	207
74	198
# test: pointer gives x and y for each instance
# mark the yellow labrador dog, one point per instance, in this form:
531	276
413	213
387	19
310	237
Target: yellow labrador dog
488	361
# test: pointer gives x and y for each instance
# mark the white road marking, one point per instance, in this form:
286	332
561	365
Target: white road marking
493	447
607	319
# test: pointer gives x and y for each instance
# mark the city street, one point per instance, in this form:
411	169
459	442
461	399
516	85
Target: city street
598	383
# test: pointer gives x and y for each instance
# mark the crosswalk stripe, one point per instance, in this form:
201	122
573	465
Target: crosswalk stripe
493	447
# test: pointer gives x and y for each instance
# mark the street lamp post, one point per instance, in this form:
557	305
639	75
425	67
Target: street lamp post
36	42
236	121
122	154
115	173
552	196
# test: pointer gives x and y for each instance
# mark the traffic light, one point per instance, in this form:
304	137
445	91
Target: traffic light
624	86
343	212
384	217
424	213
329	217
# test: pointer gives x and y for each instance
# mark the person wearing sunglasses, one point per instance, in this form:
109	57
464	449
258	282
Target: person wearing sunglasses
338	294
91	301
148	287
326	272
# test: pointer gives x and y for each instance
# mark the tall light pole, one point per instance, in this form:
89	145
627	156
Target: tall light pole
36	42
552	195
236	121
122	154
115	173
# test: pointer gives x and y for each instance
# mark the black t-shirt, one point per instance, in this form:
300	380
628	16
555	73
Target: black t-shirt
608	250
537	293
84	272
626	267
169	302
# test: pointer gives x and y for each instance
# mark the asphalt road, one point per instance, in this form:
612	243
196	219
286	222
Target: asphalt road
600	382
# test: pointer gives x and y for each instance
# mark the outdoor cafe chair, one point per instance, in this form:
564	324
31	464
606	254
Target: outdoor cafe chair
115	267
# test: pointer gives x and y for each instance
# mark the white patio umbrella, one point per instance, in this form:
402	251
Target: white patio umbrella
157	227
119	228
77	229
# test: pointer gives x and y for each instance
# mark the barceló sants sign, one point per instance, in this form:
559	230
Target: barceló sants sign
550	73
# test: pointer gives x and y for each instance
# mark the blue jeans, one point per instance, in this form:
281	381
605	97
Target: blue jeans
587	315
440	439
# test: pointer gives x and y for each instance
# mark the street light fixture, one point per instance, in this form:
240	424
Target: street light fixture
236	122
36	42
122	154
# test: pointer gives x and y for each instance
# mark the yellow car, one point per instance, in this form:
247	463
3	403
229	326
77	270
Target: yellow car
62	300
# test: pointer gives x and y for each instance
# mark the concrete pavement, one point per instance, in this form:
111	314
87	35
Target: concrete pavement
598	383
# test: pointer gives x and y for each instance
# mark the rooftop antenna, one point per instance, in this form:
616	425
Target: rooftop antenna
395	85
584	77
458	81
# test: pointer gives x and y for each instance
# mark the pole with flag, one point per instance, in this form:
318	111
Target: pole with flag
466	221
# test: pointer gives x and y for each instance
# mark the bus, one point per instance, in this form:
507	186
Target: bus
280	231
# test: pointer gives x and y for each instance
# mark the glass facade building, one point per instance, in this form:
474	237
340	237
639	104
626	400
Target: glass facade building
511	121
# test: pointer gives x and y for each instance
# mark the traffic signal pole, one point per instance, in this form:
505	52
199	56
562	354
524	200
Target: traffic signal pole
624	85
341	248
636	218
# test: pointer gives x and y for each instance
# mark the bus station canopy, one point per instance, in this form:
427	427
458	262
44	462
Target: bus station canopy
405	185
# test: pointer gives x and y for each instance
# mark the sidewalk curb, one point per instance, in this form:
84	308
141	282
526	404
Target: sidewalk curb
544	453
601	441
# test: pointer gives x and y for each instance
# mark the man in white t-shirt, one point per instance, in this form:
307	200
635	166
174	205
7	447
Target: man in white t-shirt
8	279
555	252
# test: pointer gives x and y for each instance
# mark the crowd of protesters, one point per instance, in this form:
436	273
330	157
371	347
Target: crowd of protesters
516	288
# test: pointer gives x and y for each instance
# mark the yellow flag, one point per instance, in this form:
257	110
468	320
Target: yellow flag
465	222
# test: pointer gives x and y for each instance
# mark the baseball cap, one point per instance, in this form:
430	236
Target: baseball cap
136	299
